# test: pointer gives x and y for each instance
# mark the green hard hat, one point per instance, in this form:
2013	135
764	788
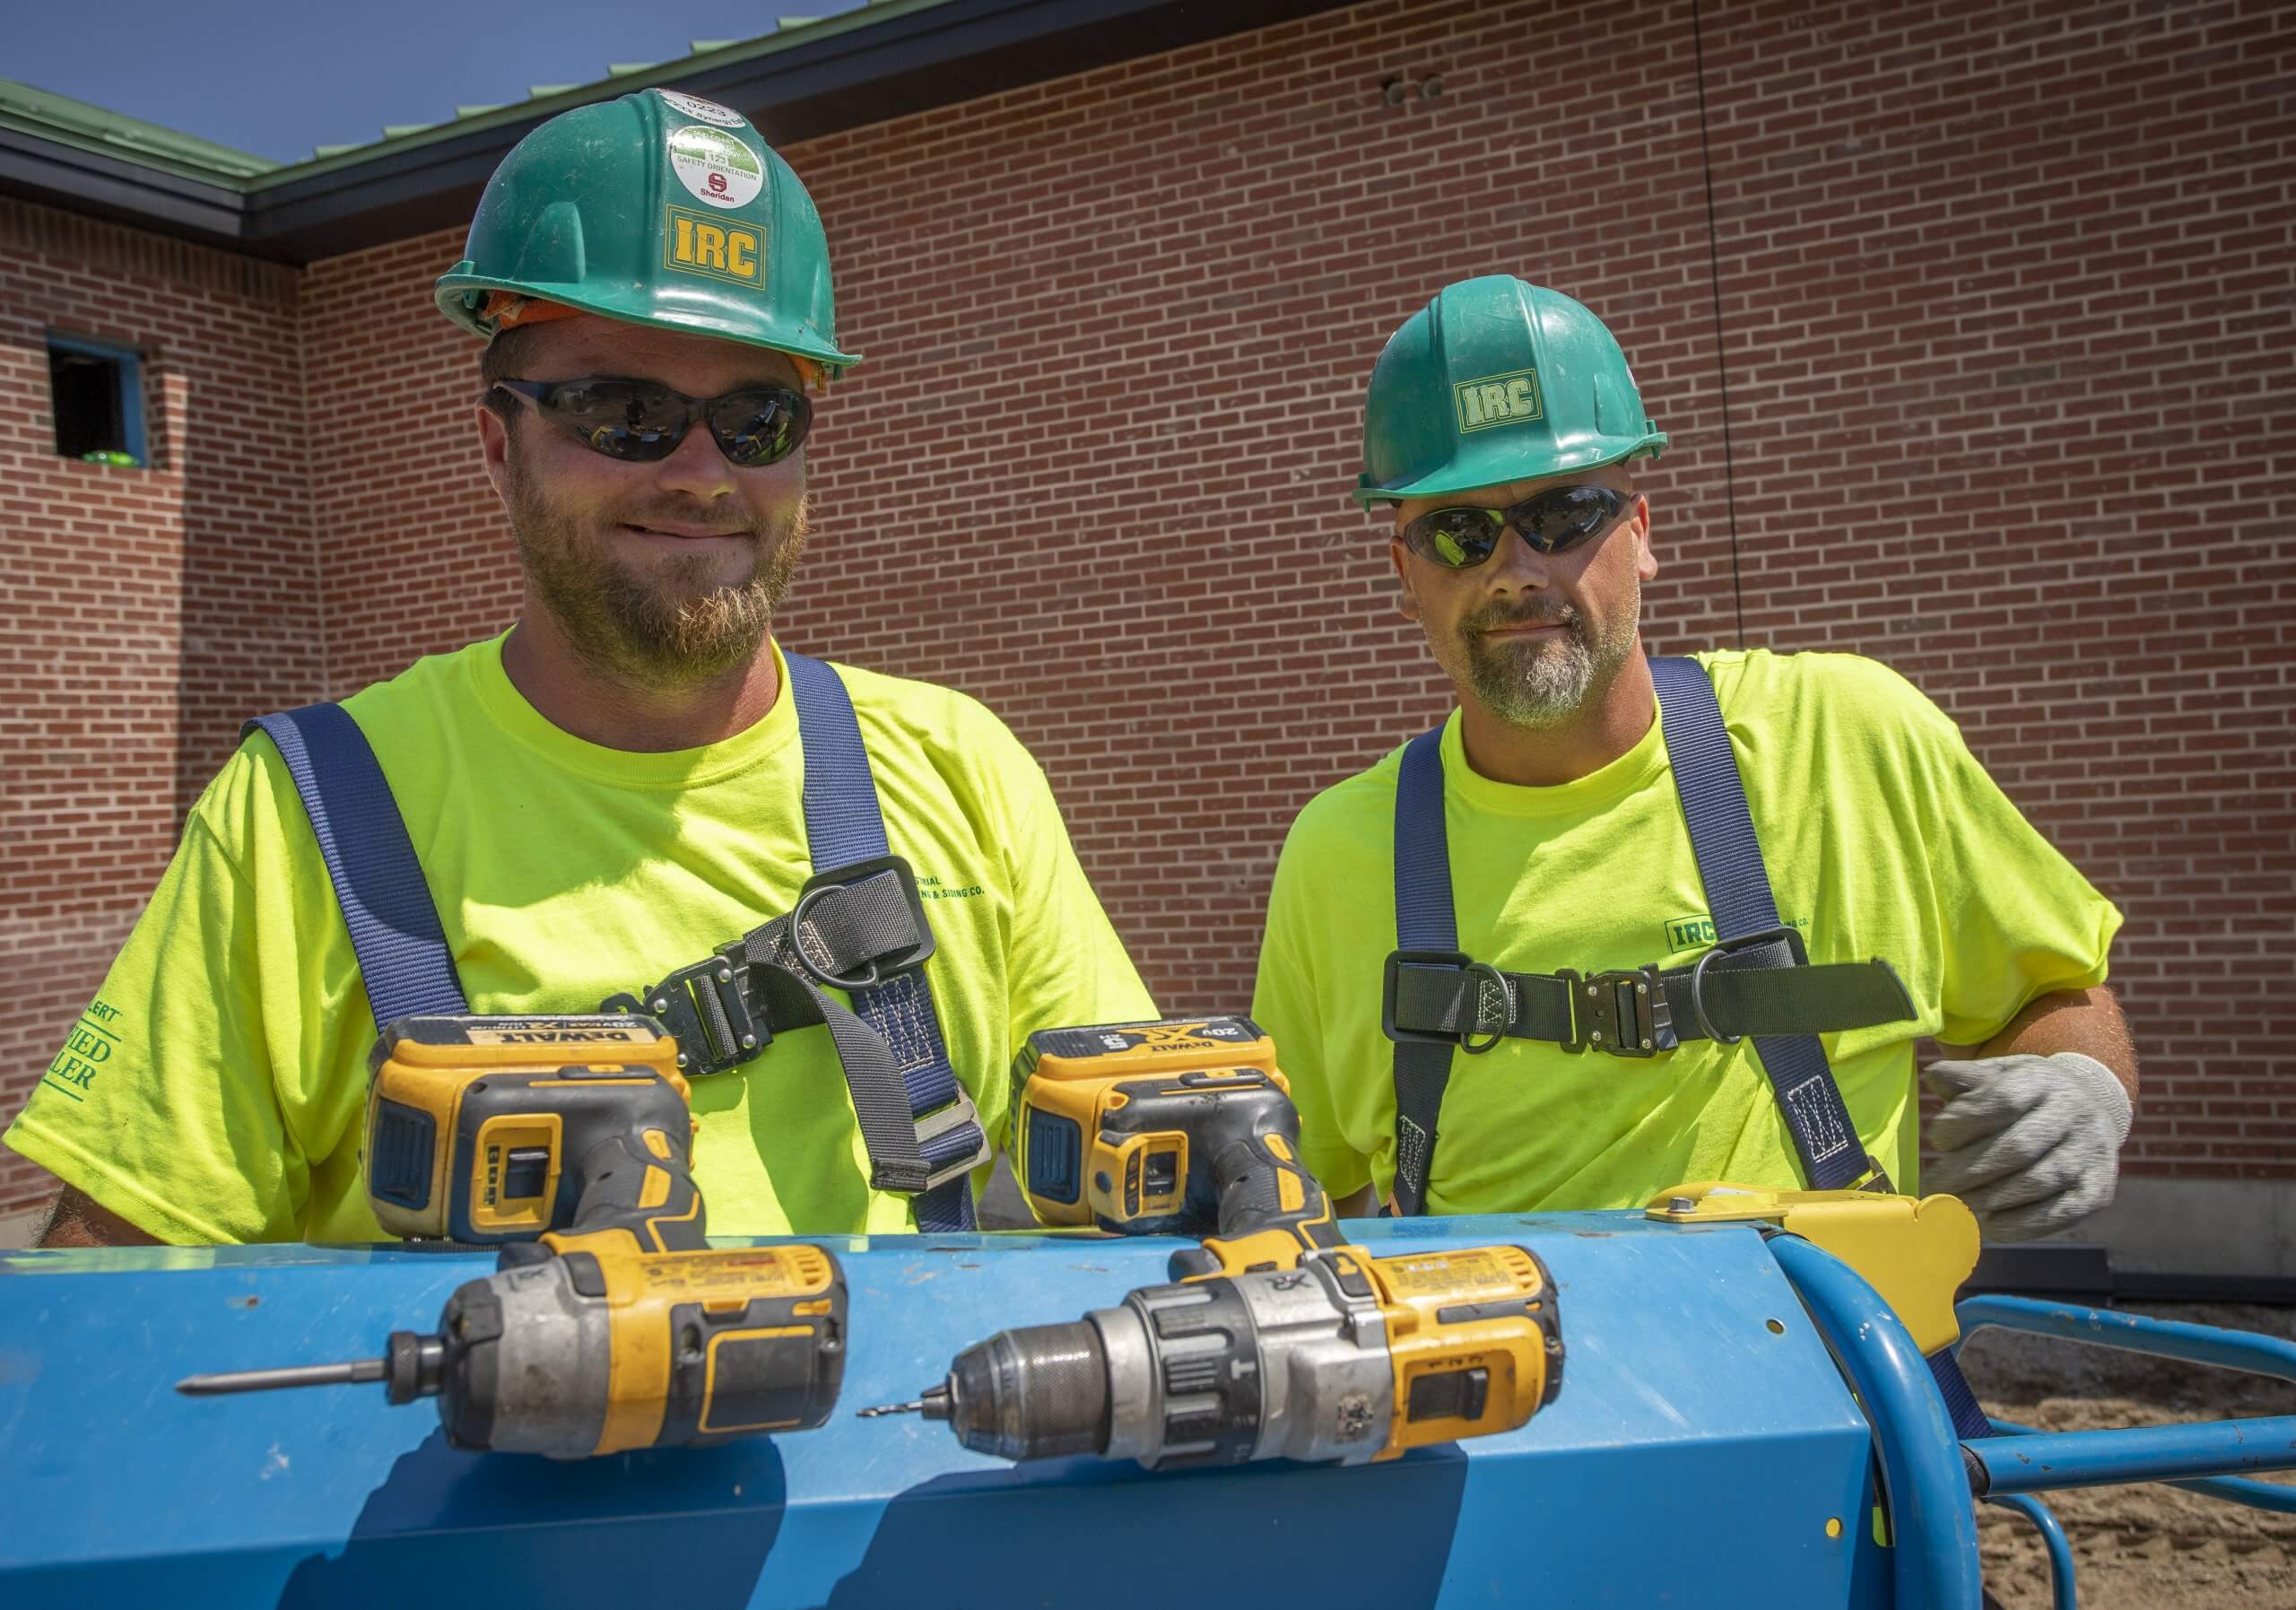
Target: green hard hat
658	209
1497	380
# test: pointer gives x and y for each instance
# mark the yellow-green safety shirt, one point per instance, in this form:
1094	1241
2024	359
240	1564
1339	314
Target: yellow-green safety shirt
1882	836
215	1090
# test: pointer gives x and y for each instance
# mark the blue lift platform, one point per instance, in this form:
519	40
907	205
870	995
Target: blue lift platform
1707	1449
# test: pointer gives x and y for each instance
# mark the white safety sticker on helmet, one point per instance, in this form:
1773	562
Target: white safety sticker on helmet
715	167
709	111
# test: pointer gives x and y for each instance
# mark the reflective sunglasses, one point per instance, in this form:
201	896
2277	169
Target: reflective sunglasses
642	421
1553	521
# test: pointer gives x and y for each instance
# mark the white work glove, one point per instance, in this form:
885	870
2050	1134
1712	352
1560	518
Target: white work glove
2030	1143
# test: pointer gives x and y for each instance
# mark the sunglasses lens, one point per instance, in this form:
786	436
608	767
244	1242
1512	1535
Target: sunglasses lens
1556	521
759	426
1455	537
623	419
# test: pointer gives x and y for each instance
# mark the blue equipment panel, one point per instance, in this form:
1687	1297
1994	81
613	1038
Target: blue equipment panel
1703	1451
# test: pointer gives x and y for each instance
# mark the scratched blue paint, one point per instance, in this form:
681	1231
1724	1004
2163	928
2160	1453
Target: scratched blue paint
1694	1456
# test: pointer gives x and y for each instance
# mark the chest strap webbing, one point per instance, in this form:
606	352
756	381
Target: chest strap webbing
845	828
395	931
1449	998
1738	898
925	1151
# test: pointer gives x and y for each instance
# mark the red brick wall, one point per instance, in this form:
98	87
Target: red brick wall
147	610
2005	308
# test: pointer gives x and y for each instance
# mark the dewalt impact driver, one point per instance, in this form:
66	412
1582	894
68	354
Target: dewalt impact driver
1183	1126
610	1325
1345	1358
602	1351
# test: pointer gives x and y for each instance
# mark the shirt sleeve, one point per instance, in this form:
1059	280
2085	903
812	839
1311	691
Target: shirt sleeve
2017	919
1067	968
1285	1002
161	1105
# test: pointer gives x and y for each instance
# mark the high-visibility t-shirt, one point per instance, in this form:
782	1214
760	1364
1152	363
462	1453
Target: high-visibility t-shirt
1882	836
214	1090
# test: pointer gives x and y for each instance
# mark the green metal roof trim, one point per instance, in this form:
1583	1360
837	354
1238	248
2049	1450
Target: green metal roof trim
76	123
70	122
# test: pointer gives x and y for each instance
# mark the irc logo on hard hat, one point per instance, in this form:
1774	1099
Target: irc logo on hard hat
1497	380
657	209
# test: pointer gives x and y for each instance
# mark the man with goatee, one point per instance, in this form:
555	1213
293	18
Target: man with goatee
621	799
1622	923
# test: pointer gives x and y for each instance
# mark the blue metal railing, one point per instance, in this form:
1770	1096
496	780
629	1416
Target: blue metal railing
2064	1593
2027	1460
1928	1473
1925	1484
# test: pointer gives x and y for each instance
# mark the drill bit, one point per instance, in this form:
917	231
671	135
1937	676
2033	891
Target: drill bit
294	1375
934	1404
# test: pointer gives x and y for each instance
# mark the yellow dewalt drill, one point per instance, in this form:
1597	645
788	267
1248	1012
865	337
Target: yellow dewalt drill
1278	1342
601	1350
1183	1126
610	1325
1343	1358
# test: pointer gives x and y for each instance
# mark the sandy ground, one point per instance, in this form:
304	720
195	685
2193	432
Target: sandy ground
2137	1548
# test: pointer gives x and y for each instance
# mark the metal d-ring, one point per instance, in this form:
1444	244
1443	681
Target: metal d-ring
1698	1001
798	942
1506	1009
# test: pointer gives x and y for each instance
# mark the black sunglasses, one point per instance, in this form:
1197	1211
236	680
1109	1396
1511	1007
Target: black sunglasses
642	421
1553	521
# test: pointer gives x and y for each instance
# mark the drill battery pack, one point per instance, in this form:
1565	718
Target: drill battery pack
476	1126
1117	1125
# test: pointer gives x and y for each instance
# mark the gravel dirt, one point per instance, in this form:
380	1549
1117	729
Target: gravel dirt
2137	1548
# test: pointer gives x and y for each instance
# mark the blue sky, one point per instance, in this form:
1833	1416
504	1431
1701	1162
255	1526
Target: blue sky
276	79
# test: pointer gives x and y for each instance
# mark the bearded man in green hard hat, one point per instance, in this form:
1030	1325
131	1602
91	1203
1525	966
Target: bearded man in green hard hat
849	896
1619	924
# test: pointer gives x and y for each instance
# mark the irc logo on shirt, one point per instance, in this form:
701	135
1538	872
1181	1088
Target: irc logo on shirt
1506	399
1696	932
696	243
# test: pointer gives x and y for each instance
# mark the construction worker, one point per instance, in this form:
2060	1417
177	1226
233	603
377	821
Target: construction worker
617	797
1482	957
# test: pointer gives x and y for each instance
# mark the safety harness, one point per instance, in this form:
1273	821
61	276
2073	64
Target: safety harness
1756	980
858	925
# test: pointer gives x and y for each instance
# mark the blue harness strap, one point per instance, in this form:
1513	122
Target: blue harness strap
845	826
1739	900
1424	924
410	972
395	928
1737	885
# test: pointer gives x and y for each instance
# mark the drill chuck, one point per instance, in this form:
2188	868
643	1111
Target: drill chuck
1036	1393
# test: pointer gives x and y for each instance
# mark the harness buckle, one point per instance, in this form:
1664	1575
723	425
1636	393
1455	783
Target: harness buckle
1494	1001
885	964
706	1011
956	1115
1624	1013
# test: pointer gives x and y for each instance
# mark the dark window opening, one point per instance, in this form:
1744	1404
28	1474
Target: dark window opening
97	396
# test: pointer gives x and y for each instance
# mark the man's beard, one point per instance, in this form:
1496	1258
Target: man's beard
670	625
1542	683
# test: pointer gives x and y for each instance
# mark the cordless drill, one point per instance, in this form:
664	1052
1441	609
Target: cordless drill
610	1325
1343	1358
608	1347
491	1130
1182	1127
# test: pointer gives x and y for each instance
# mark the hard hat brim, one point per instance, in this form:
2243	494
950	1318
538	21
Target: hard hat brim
461	292
1503	463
